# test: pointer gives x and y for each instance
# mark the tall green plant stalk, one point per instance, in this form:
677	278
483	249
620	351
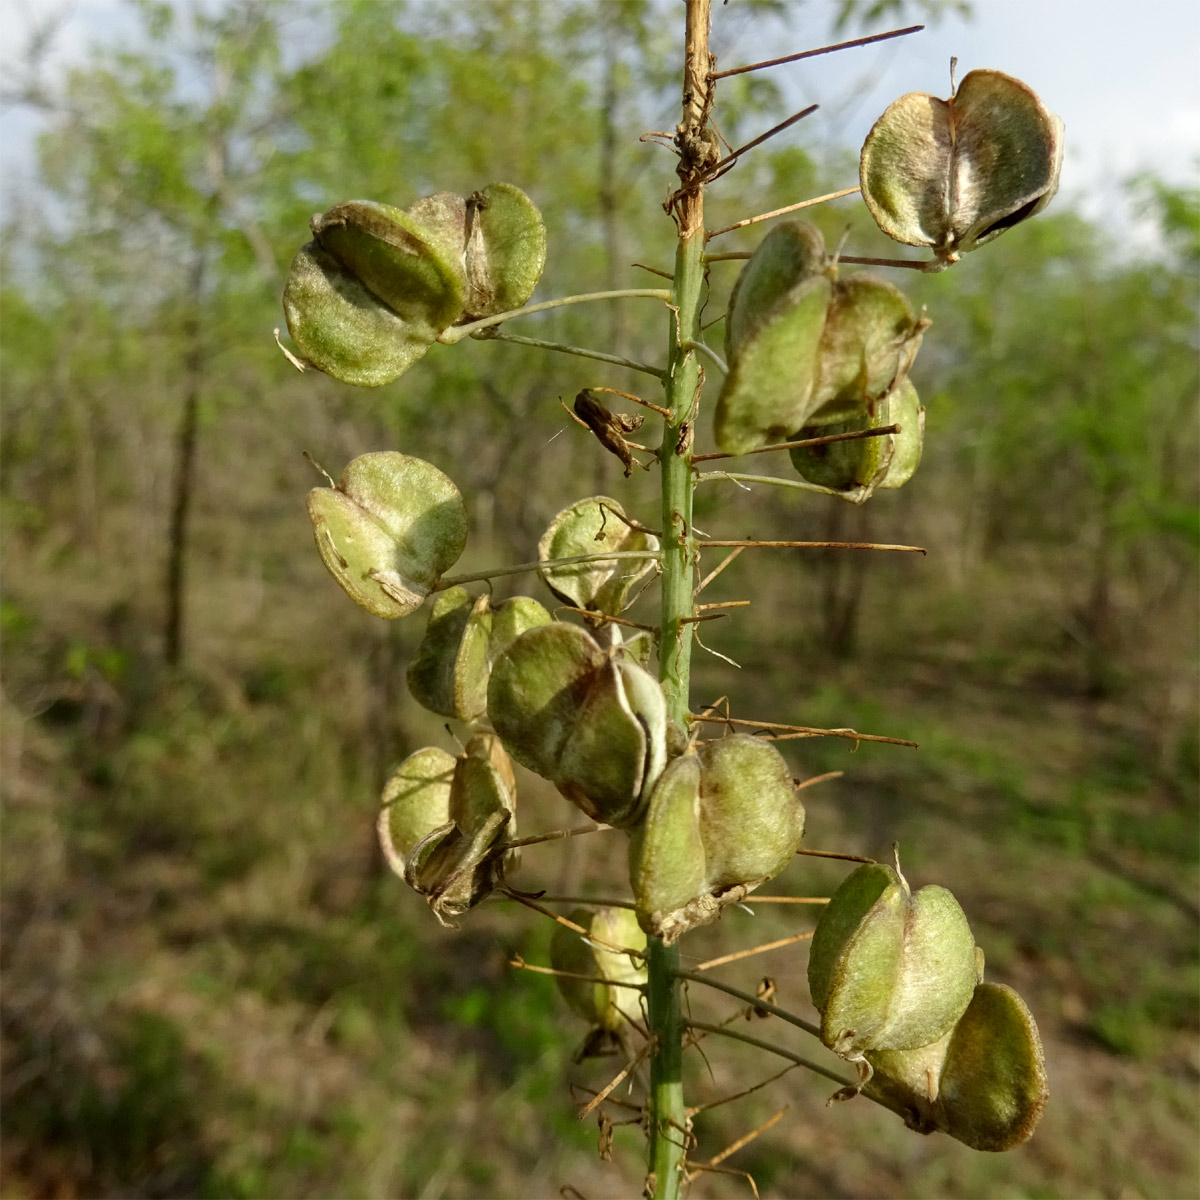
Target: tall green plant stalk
668	1119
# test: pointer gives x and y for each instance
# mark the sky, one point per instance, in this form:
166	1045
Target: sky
1124	77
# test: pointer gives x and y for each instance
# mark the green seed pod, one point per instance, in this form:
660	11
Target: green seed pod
993	1086
666	854
791	253
870	339
415	803
389	530
594	525
505	249
718	823
954	174
397	259
889	970
751	820
342	328
537	689
602	1004
441	819
983	1082
769	389
856	468
510	619
449	673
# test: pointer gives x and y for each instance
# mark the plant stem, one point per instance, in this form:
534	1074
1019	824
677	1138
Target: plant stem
668	1124
456	333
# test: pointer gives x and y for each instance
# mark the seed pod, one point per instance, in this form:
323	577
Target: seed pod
594	525
889	970
856	468
751	820
983	1082
718	823
603	1004
395	258
870	339
594	725
389	530
954	174
342	328
666	853
769	389
449	673
505	249
441	819
792	252
510	619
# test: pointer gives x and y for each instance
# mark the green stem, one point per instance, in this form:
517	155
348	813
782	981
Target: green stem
578	351
708	353
668	1119
456	333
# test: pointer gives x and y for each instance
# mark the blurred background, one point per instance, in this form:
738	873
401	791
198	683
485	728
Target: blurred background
211	984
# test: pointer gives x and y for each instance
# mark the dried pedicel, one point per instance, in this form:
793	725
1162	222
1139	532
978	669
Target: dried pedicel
594	525
389	530
588	720
954	174
600	998
442	819
719	822
889	969
983	1082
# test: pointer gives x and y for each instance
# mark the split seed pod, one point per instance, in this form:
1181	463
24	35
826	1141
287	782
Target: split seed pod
984	1082
719	823
606	1005
889	969
591	722
442	818
594	525
449	672
954	174
855	468
389	530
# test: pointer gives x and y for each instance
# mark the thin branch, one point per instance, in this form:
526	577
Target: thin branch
655	271
717	570
746	1139
854	495
806	730
737	954
588	901
710	353
778	212
789	899
553	836
699	1108
578	351
728	161
790	58
518	963
930	265
448	581
658	408
456	333
858	858
528	902
823	440
748	998
751	543
602	1094
604	618
762	1045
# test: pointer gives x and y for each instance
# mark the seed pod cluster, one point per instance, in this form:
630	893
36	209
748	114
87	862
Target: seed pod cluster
389	530
372	291
600	997
955	174
719	822
465	635
442	818
898	980
811	353
591	721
